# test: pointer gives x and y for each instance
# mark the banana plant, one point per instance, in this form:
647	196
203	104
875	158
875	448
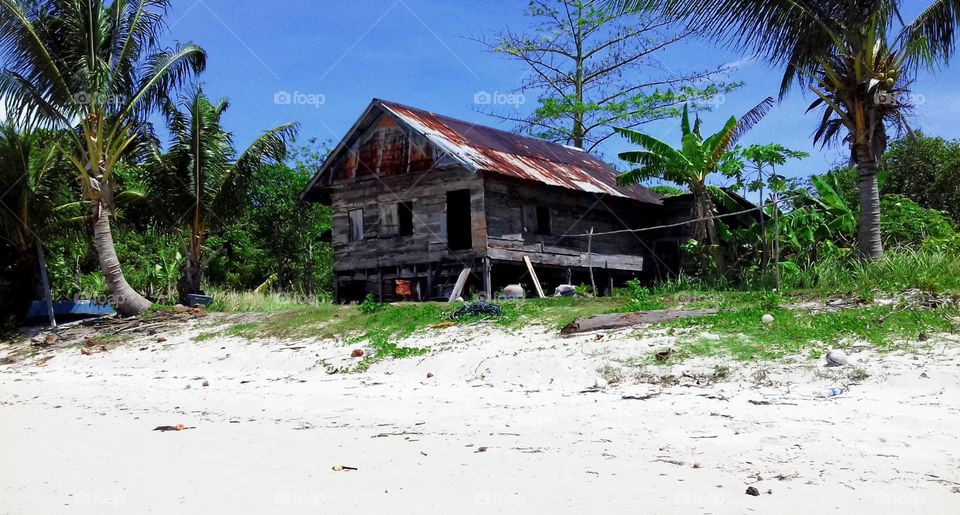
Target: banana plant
691	165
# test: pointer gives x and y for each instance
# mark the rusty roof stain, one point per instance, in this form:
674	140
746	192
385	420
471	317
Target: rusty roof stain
496	151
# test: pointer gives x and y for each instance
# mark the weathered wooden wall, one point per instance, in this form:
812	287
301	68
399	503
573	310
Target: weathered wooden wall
377	196
512	219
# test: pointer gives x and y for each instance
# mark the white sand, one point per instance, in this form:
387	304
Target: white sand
77	432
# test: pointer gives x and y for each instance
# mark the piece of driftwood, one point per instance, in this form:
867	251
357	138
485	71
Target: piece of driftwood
533	275
621	320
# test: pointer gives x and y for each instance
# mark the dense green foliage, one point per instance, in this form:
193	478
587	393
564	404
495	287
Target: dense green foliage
273	240
858	57
693	163
94	71
927	171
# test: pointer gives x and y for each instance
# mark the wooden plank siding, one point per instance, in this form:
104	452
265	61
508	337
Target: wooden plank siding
512	226
378	197
504	223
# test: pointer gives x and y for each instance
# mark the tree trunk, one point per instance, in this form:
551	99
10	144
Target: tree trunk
703	231
45	281
189	282
127	301
869	242
706	228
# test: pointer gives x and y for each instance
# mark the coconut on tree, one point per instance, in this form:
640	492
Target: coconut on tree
93	69
858	57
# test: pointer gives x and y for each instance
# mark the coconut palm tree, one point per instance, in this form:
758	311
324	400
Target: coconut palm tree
35	202
690	166
858	57
94	69
202	180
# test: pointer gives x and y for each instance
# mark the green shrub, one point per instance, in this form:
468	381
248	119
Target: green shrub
640	298
906	224
370	305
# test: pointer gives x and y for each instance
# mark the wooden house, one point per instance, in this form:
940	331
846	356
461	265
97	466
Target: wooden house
417	198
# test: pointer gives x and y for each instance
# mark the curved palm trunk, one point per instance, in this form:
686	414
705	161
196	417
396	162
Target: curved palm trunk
127	300
190	279
869	243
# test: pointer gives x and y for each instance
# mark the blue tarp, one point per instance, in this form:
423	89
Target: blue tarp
70	308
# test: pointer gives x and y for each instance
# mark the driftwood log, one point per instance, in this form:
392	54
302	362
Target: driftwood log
621	320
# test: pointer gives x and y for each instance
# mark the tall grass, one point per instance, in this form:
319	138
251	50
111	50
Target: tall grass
253	302
898	270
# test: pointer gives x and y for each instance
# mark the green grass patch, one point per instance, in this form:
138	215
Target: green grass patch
743	336
253	302
380	327
202	337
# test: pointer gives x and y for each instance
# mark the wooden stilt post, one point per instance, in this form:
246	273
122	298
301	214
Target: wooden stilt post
533	276
569	276
593	283
429	280
488	278
336	289
461	282
380	283
609	280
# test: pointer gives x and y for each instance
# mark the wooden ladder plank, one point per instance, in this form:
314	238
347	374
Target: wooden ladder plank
461	282
533	274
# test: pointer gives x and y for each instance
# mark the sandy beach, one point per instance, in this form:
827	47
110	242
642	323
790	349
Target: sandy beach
507	423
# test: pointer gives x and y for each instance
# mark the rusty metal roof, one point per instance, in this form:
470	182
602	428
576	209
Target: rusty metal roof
495	151
506	153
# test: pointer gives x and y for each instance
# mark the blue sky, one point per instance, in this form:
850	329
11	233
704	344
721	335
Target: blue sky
422	53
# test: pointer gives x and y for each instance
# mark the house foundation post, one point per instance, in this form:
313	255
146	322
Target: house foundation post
488	278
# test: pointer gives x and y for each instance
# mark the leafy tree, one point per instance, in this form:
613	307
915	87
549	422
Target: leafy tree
201	180
857	56
277	241
34	197
927	171
763	160
93	69
594	70
691	166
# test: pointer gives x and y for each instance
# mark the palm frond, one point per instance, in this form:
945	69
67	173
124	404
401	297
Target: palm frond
935	29
752	117
165	72
271	145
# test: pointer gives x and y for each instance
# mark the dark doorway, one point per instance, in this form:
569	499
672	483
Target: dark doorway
544	225
405	218
459	226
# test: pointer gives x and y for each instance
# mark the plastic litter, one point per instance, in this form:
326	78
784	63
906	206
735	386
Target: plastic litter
832	392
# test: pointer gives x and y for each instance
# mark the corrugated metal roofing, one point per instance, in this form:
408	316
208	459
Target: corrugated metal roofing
506	153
